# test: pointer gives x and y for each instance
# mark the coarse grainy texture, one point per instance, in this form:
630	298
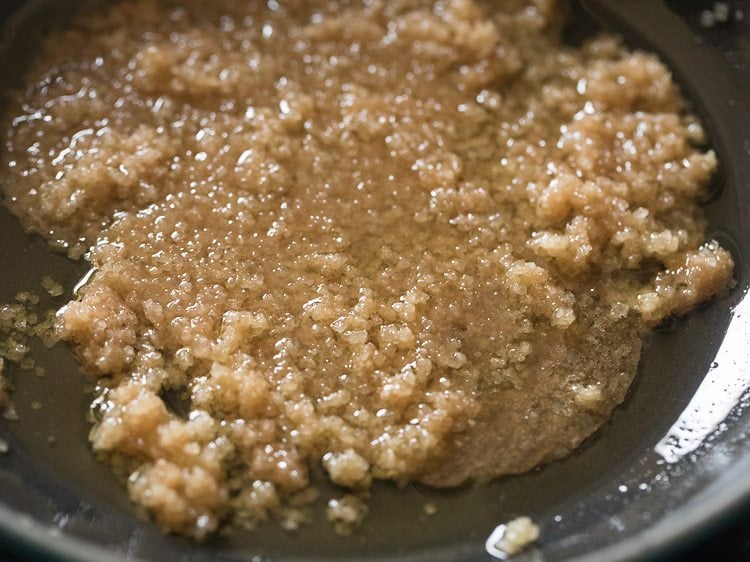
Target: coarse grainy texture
346	513
513	537
20	321
404	240
53	288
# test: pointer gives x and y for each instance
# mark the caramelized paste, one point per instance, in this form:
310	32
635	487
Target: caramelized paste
404	240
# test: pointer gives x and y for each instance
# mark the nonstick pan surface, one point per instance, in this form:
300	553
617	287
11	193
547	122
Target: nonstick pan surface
673	460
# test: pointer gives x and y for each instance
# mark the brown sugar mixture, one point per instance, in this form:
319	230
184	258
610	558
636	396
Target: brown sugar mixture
404	240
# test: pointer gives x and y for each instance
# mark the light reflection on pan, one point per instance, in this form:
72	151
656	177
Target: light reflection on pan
722	389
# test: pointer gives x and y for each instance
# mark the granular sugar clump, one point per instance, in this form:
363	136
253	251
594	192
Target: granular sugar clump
413	240
512	538
22	322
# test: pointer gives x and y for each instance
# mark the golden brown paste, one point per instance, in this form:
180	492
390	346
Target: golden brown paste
406	240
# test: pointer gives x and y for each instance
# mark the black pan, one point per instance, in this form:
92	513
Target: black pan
671	463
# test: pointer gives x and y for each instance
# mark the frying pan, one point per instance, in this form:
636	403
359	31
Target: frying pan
673	460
